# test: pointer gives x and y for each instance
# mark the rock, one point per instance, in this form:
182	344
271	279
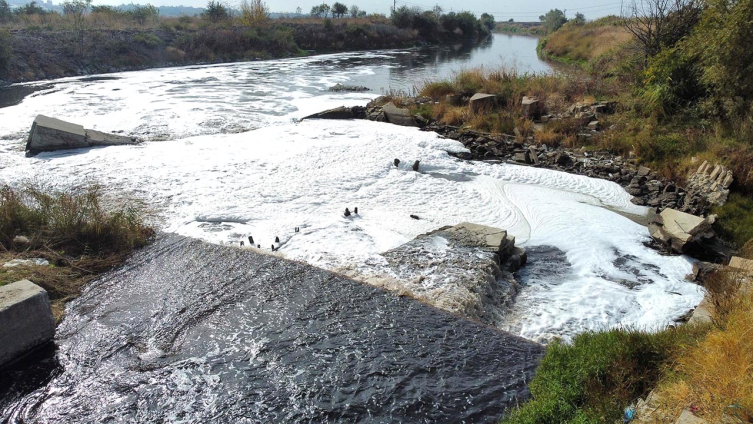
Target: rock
21	240
453	99
593	125
563	159
348	88
461	269
679	230
522	156
49	134
398	116
533	156
416	164
643	171
741	264
341	112
687	417
482	101
26	320
26	262
531	107
710	184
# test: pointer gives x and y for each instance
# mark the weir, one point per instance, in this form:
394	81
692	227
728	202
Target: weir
193	331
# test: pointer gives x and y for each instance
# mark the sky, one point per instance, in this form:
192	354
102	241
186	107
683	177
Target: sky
519	10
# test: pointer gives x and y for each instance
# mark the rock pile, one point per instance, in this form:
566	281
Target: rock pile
338	88
680	232
710	184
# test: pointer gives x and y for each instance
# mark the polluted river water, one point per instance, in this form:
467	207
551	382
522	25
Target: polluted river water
225	158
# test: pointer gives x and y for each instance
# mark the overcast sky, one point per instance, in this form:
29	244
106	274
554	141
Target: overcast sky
520	10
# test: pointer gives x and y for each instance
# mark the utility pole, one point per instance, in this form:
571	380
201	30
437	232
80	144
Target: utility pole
394	6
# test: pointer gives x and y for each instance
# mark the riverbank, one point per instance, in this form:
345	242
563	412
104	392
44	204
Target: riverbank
34	52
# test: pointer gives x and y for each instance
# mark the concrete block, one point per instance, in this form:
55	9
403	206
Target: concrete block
741	264
97	138
53	134
398	116
26	320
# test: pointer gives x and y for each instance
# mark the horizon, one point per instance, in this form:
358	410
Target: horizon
519	10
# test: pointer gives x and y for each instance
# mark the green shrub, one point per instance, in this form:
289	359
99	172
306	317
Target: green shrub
735	219
147	39
594	378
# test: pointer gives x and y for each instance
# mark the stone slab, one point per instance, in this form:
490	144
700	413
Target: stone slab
741	264
687	417
26	320
398	116
97	138
53	134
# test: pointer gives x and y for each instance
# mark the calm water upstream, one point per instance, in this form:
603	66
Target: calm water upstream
195	332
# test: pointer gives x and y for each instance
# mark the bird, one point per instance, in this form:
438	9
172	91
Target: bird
241	243
355	210
250	240
396	162
277	239
415	217
347	212
415	165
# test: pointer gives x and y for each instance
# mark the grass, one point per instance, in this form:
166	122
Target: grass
595	377
73	230
586	43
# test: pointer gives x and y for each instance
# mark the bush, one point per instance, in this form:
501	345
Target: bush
592	380
5	13
216	12
735	219
147	39
6	50
74	222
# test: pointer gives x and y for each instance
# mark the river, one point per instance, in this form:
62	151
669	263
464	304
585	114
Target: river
225	158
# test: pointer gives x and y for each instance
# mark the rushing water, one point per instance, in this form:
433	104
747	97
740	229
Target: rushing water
225	159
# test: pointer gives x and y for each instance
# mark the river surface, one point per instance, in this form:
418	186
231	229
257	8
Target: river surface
225	159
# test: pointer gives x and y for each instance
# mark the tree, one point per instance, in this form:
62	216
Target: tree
75	10
31	9
144	13
298	10
215	12
660	23
354	10
5	12
339	10
437	11
579	19
511	20
553	20
320	11
487	20
254	12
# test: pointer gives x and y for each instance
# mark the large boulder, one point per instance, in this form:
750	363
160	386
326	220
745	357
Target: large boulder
531	107
398	116
348	88
26	320
482	102
49	134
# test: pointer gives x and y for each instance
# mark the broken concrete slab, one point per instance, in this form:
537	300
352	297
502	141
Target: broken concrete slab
26	320
398	116
531	107
342	112
741	264
49	134
482	101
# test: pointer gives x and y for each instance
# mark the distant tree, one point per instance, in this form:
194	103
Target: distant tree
215	11
554	19
579	19
144	13
320	11
354	10
5	12
339	10
487	20
437	11
511	20
298	10
254	12
31	9
75	10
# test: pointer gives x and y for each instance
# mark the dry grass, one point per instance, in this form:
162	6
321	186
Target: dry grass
72	230
715	377
588	42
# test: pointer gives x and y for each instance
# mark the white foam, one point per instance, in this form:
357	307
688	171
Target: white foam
266	182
